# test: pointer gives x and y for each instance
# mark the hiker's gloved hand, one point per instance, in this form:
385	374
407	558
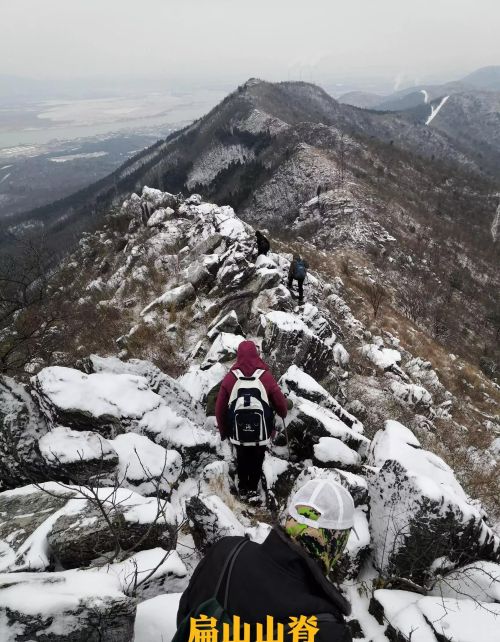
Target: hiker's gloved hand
289	403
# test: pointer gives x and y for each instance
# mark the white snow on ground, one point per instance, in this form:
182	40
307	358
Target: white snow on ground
402	612
426	96
431	473
5	177
166	425
411	393
359	601
63	445
33	554
435	110
171	297
359	537
382	357
258	122
265	261
72	157
273	467
462	620
479	580
341	355
330	449
199	382
286	321
214	160
142	566
332	424
142	462
226	519
5	167
225	346
115	395
304	381
54	593
156	619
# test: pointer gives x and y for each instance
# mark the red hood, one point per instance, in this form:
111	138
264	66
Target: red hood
248	360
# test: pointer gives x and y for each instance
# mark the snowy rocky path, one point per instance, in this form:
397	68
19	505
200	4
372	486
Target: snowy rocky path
115	481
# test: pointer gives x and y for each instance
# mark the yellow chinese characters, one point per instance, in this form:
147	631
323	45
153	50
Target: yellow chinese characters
301	629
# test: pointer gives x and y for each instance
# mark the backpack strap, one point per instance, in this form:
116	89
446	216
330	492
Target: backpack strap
258	373
238	374
229	563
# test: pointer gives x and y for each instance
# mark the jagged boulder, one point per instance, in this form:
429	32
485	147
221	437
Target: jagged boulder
122	519
71	606
308	423
224	348
107	403
158	218
318	323
419	511
210	520
225	323
81	456
197	445
157	199
279	477
198	275
55	524
176	297
265	278
278	298
22	512
146	467
174	394
331	452
288	340
303	385
407	616
148	573
21	426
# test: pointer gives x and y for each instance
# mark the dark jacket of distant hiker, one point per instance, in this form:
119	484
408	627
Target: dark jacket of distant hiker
292	274
293	266
274	578
248	361
263	245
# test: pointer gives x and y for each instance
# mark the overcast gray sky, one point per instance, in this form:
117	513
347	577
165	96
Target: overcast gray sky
226	40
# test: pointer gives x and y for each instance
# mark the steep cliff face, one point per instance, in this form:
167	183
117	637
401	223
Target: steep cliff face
133	482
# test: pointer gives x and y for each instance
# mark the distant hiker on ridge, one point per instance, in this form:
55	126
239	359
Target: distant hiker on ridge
285	577
298	271
263	245
247	400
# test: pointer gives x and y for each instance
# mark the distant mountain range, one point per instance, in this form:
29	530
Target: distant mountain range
240	147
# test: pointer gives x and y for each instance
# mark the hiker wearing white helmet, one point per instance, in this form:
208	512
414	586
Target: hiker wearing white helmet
320	518
284	577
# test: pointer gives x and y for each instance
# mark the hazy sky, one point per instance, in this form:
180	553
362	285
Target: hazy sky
231	40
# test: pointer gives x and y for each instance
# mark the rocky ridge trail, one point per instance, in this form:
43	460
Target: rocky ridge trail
115	482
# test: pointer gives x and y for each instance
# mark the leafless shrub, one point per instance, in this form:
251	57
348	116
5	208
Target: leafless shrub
377	294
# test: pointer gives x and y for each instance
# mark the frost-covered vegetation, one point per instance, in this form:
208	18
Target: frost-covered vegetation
114	481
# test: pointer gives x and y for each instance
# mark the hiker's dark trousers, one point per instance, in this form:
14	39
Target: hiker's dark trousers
249	460
300	283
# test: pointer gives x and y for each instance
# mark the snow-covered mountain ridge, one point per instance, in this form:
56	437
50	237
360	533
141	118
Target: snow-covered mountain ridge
117	481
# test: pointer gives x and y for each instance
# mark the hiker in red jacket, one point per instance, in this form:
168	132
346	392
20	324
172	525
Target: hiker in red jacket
249	372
